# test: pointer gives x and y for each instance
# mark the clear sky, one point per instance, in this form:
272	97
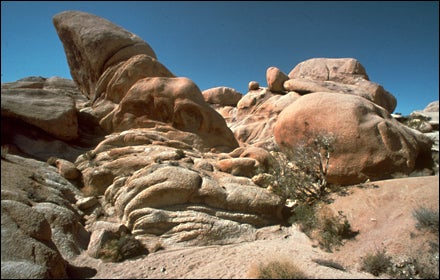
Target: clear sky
231	43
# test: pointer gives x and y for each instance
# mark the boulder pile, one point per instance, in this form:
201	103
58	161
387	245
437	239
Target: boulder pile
129	149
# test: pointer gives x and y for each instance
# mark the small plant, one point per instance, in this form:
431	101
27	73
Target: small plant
376	263
124	247
180	154
327	229
427	218
301	172
277	269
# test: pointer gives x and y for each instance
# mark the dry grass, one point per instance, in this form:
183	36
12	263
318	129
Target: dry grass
279	268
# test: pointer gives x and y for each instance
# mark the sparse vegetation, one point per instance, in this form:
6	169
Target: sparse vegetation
329	230
301	173
124	247
427	218
376	263
277	269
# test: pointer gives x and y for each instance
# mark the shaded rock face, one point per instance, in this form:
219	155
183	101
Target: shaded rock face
41	226
40	117
53	114
370	144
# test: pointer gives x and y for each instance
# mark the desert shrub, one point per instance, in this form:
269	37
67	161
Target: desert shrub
426	218
301	172
320	224
180	154
119	249
277	269
376	263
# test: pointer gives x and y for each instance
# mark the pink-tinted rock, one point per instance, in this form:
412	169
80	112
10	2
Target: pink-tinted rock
370	144
275	79
342	70
223	96
118	79
174	101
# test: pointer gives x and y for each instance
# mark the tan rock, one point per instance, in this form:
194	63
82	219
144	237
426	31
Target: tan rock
174	101
67	169
223	96
370	144
342	70
275	79
247	167
253	85
92	44
118	79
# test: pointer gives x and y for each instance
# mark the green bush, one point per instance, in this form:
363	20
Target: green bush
277	269
376	263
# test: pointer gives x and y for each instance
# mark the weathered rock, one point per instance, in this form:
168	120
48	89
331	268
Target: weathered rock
275	79
342	70
370	143
118	79
432	107
253	120
26	244
253	85
174	101
55	114
247	167
67	169
223	96
92	44
343	75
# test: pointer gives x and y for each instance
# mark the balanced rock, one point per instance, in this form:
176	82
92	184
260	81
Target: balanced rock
253	85
370	144
92	44
341	75
223	96
275	79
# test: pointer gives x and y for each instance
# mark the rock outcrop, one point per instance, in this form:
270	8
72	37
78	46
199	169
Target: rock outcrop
342	75
92	44
370	144
129	149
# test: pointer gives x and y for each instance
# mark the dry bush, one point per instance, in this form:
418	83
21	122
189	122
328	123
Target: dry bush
276	269
426	218
376	263
300	173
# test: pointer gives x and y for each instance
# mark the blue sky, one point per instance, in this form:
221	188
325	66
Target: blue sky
231	43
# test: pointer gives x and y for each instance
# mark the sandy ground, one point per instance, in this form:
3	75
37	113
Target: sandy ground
382	214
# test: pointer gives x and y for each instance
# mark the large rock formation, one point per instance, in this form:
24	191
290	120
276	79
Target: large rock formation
342	75
115	69
92	44
370	143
